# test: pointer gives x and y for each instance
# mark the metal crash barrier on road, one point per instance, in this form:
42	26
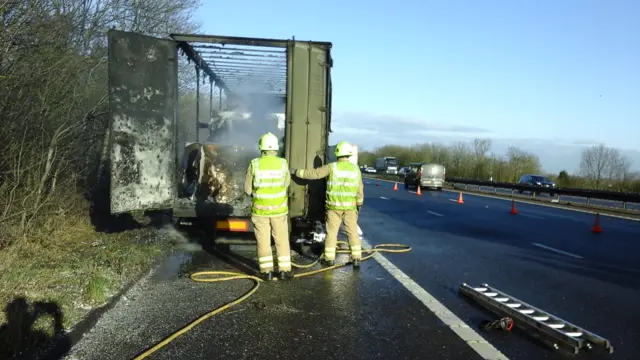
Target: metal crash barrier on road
560	333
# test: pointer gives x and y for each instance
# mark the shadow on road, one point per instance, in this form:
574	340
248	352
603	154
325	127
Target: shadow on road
20	338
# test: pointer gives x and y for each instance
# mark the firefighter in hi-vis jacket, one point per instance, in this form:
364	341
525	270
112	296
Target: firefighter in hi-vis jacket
267	181
345	196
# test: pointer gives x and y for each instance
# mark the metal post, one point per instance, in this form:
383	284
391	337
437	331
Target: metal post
220	101
210	99
197	103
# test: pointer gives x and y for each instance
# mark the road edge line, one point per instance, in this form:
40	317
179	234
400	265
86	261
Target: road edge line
524	201
478	343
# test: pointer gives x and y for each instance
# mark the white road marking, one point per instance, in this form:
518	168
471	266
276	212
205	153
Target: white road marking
459	327
454	200
557	251
413	192
531	216
383	198
434	213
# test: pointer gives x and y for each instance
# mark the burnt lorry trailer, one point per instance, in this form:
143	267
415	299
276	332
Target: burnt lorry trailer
161	162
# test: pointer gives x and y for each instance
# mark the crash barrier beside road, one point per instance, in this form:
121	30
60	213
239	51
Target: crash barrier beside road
217	276
624	197
618	201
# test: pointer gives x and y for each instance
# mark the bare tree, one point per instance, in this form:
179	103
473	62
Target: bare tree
597	164
620	171
481	147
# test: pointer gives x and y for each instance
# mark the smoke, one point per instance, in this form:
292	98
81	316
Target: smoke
235	134
252	115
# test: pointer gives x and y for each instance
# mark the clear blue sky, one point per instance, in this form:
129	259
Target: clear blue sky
564	70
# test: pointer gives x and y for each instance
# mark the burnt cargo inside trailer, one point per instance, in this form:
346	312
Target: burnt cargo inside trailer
196	165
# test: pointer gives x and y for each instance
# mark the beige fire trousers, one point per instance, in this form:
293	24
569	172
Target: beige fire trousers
278	227
350	220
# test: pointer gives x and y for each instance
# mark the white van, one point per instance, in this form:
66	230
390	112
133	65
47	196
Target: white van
425	175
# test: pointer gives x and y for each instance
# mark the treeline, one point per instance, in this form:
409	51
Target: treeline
54	101
601	167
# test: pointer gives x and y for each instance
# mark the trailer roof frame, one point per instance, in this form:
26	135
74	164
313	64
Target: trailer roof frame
241	68
238	40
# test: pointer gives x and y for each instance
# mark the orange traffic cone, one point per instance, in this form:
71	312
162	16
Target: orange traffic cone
418	190
395	186
460	201
513	211
596	225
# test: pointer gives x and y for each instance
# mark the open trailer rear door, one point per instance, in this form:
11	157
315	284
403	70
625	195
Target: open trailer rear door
143	91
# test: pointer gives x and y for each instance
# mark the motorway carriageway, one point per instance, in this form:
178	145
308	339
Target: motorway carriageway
545	256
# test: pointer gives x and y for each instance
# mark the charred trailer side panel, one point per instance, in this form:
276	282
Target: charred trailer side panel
143	94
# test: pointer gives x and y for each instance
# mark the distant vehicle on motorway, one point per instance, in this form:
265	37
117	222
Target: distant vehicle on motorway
537	181
403	171
425	175
369	170
387	165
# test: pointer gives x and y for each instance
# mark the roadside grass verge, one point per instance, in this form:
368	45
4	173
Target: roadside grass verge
69	267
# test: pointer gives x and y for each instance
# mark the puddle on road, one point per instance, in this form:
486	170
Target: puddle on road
181	264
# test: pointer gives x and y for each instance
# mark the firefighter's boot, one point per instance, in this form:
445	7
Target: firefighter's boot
267	276
326	262
356	263
285	275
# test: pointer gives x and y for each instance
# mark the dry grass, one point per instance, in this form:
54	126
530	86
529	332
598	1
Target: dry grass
73	266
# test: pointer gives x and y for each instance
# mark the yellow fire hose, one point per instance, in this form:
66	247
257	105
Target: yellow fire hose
216	276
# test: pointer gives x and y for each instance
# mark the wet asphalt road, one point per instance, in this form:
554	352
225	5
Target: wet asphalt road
597	286
369	315
335	315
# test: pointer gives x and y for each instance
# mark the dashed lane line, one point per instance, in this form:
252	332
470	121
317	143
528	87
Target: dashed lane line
531	216
557	250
